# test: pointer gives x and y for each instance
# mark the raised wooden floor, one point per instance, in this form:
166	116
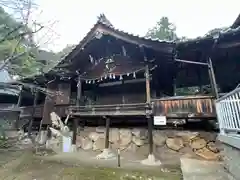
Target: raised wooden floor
171	107
138	109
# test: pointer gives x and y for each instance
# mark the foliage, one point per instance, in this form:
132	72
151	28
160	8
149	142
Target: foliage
12	43
17	38
66	50
163	30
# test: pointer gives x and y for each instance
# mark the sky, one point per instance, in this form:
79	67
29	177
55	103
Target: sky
192	18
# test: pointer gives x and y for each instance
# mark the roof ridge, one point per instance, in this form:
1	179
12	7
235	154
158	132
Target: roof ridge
103	19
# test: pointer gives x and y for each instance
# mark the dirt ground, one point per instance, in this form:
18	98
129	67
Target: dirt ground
25	165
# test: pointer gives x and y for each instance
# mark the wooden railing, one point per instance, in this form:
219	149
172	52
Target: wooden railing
61	110
188	106
109	110
172	107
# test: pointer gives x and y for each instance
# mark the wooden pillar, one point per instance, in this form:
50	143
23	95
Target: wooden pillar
79	91
75	127
107	132
212	78
150	134
148	110
18	105
49	102
33	112
174	87
148	95
20	96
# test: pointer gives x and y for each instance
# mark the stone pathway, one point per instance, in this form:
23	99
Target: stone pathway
193	169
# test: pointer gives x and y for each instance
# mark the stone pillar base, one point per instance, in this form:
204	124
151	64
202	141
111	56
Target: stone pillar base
106	154
151	161
42	137
74	148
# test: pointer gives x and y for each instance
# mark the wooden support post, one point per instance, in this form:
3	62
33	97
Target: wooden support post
49	103
79	91
20	96
18	105
148	110
212	78
174	87
148	95
75	127
150	134
33	112
107	133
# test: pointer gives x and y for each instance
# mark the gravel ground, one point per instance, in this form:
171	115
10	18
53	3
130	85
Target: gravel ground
24	165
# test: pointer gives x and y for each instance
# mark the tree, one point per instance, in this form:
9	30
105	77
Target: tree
163	30
66	50
19	50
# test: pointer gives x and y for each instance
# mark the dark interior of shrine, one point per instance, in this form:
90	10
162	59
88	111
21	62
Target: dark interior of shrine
224	57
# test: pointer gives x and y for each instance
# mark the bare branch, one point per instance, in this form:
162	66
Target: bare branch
29	34
6	61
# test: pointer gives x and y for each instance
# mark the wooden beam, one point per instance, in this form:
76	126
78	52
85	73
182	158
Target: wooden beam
191	62
212	78
132	81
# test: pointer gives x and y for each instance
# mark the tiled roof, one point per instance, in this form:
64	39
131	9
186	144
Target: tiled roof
236	22
222	33
5	78
104	22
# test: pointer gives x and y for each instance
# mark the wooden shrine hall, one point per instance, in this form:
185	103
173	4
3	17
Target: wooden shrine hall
112	74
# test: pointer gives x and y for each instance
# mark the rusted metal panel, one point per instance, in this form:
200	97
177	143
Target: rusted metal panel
189	106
